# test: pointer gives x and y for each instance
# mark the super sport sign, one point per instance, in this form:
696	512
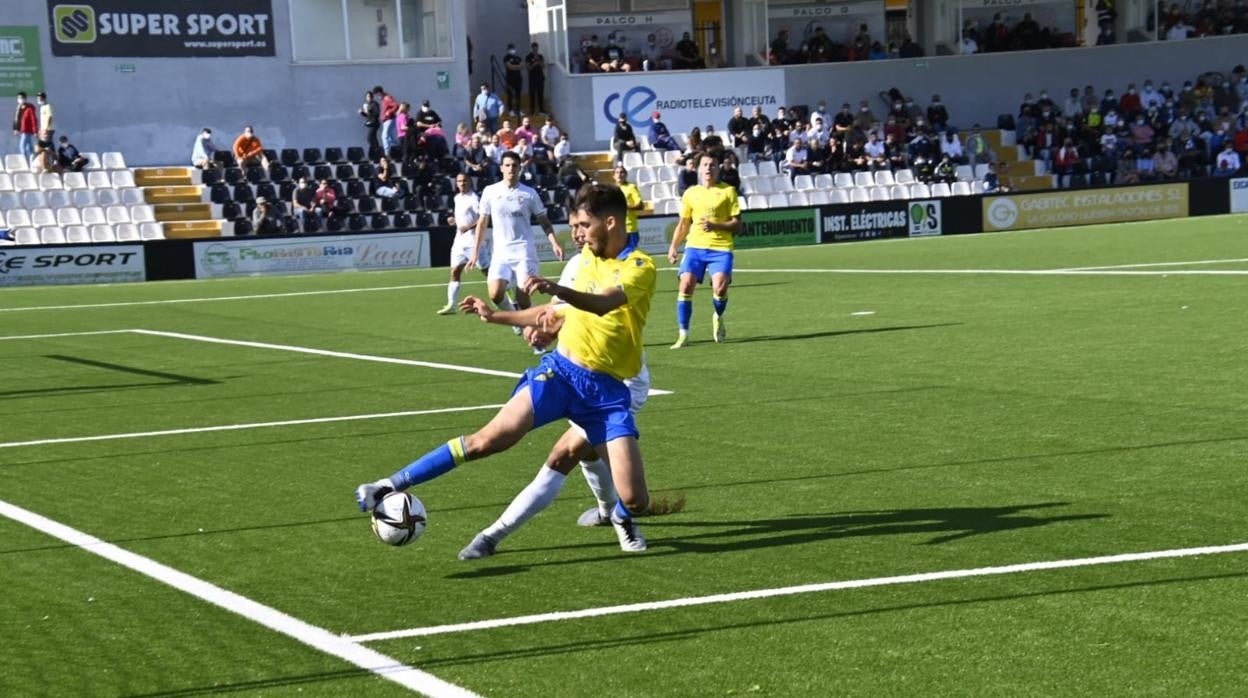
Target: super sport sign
97	264
684	98
155	28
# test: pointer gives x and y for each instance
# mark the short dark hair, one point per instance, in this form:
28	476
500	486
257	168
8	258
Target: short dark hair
21	94
42	95
509	155
601	200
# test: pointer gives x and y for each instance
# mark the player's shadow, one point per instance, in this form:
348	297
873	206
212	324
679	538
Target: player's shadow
942	525
838	333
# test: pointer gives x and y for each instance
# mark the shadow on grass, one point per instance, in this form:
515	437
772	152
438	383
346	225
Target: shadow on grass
798	616
818	335
944	524
258	684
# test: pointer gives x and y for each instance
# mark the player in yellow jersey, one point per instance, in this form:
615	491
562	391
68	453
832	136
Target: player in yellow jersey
710	216
600	344
632	197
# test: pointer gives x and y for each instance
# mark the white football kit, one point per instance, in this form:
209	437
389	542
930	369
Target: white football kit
467	212
515	247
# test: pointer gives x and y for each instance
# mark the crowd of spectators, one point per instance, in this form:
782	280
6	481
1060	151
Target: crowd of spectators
998	36
1154	133
595	56
821	48
1210	18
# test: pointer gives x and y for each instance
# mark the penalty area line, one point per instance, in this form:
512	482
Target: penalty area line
800	589
301	631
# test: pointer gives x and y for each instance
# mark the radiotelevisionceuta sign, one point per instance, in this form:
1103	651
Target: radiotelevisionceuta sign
96	264
683	99
257	256
1239	195
159	28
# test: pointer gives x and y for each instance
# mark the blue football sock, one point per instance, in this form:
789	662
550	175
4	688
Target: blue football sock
623	512
720	303
684	311
439	461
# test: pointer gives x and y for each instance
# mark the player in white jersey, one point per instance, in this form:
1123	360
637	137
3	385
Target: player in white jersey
507	206
467	211
573	447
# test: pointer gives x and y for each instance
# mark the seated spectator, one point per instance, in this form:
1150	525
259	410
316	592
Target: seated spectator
573	178
477	162
756	144
968	45
951	145
688	176
865	119
910	49
203	152
527	172
1228	161
248	150
45	158
1065	163
652	55
1165	162
265	219
977	149
660	137
389	184
777	143
797	160
695	141
728	172
463	138
69	158
875	153
549	133
507	136
432	143
759	118
687	54
563	149
426	118
818	154
992	183
543	163
946	170
739	128
303	204
780	54
526	130
326	201
1142	135
937	114
624	140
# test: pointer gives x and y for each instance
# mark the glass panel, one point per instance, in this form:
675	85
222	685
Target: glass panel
373	29
318	34
646	5
426	28
591	7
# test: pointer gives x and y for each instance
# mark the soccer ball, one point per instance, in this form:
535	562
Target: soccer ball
399	519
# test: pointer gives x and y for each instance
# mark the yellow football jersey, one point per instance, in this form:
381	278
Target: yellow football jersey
632	197
610	343
718	203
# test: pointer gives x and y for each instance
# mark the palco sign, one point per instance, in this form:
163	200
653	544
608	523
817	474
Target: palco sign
161	29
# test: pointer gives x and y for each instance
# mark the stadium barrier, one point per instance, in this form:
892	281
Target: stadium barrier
157	260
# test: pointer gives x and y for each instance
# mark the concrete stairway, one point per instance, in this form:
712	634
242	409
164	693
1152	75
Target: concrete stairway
180	201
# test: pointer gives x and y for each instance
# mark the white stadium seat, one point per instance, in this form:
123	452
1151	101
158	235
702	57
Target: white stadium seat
6	181
652	158
131	196
113	161
17	218
880	193
123	178
819	197
99	180
41	217
107	197
777	201
93	215
799	198
82	197
859	195
965	173
102	232
93	161
884	178
57	198
644	175
666	173
25	181
152	231
142	213
899	192
824	181
747	169
903	177
961	188
34	199
26	236
843	180
863	179
839	196
52	235
941	189
68	216
632	160
767	167
662	190
50	180
671	157
127	232
77	233
16	162
781	183
117	214
75	180
919	190
980	170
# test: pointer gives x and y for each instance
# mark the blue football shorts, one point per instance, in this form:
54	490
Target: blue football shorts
698	261
596	402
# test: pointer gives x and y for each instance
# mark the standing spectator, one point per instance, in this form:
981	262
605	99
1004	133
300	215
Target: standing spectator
265	220
624	139
303	205
69	157
47	116
204	151
536	63
326	201
25	125
248	150
487	108
660	137
968	45
370	112
687	55
513	66
389	107
937	114
1064	162
910	48
651	54
404	132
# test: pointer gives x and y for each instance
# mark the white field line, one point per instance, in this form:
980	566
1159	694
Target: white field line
1158	264
214	299
318	638
64	334
1007	272
238	427
801	589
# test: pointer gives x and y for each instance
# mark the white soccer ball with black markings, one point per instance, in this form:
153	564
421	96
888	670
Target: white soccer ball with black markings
399	519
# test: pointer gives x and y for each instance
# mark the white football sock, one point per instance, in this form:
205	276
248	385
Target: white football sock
505	303
452	292
598	476
536	496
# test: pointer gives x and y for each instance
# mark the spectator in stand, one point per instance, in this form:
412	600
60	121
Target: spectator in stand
875	153
951	145
992	182
758	117
624	139
843	121
1142	135
326	201
370	112
946	171
47	115
513	73
494	148
660	137
968	45
549	133
1145	169
1183	127
405	133
756	144
69	158
1130	104
910	49
265	219
797	159
1073	108
528	171
1165	162
900	114
1178	31
203	152
996	35
977	149
739	128
476	162
651	54
1065	161
507	135
817	154
1228	161
26	125
487	108
780	54
45	159
535	62
688	176
1106	37
389	107
1027	33
937	114
526	130
303	204
463	138
424	119
542	162
248	150
894	130
389	184
687	55
563	150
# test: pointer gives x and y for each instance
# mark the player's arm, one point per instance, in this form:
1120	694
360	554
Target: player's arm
482	223
549	229
596	303
732	225
678	239
540	316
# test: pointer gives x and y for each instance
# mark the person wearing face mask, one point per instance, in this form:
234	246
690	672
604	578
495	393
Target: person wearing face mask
536	64
756	143
513	66
1150	97
203	152
424	119
248	150
1142	134
47	116
937	114
1130	104
1224	96
487	108
738	128
25	125
864	119
820	112
651	54
1110	102
303	205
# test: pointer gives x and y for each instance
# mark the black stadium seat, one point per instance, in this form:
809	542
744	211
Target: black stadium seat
379	221
334	224
412	203
356	188
312	156
242	227
243	193
292	225
225	157
374	154
290	157
230	210
424	219
334	155
366	204
365	170
270	154
356	222
256	174
210	177
355	154
402	220
389	204
278	173
322	172
286	190
299	171
233	175
220	193
266	190
344	172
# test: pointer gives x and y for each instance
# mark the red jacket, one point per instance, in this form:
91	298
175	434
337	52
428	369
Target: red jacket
26	119
389	107
1066	157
